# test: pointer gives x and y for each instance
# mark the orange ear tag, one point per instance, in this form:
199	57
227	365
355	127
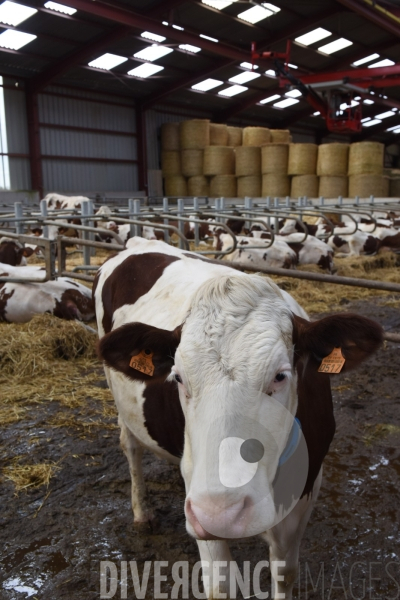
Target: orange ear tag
332	363
143	362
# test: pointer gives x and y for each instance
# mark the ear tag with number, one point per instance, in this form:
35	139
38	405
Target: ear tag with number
332	363
143	362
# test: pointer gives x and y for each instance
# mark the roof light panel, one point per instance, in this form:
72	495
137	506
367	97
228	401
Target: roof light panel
365	120
393	128
13	14
218	4
153	52
14	40
385	115
107	61
255	14
294	94
232	91
364	60
189	48
244	77
247	65
285	103
206	85
153	36
207	37
145	70
367	101
178	27
270	73
61	8
372	122
386	62
335	46
269	99
313	36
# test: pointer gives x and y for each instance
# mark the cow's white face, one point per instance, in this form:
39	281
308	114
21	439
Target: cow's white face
238	393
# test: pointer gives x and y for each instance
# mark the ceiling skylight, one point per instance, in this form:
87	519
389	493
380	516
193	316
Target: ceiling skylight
285	103
190	48
152	36
244	77
270	73
207	37
145	70
107	61
372	122
13	14
247	65
385	115
270	99
178	27
218	4
66	10
206	85
394	128
335	46
292	66
293	94
365	120
255	14
153	52
232	91
313	36
386	62
346	105
368	101
366	59
316	114
14	40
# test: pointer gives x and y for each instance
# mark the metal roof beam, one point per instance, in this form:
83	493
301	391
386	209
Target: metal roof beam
372	15
40	81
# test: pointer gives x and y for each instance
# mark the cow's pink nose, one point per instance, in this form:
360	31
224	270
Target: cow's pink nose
209	521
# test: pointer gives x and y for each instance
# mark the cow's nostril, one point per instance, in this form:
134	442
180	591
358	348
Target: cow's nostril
252	451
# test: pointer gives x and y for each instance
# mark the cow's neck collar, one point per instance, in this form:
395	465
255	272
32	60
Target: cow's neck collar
292	443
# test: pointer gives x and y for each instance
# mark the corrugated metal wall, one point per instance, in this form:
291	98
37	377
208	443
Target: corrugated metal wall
17	137
77	165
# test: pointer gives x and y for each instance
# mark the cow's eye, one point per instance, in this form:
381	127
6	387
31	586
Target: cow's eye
280	377
178	378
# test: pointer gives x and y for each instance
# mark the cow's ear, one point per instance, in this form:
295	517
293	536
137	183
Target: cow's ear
140	351
358	338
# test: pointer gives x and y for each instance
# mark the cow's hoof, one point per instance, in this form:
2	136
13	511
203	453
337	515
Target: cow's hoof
147	523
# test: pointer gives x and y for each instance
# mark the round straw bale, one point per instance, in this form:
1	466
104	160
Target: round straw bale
248	160
333	186
170	136
194	134
394	184
333	159
249	185
218	134
218	160
275	185
304	185
175	185
302	159
366	185
171	163
281	136
366	158
223	185
274	158
198	186
192	162
235	136
256	136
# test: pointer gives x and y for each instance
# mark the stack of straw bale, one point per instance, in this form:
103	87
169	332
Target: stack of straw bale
302	164
366	170
332	166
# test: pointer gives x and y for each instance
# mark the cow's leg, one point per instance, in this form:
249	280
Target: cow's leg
284	540
134	452
212	552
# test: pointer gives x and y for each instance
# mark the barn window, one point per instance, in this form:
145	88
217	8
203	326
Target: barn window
4	162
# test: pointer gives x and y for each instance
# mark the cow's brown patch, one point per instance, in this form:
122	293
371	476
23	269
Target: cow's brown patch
4	297
338	241
391	241
133	278
11	253
295	246
325	262
74	305
372	245
163	415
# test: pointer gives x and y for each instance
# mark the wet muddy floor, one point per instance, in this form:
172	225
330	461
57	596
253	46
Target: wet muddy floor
54	538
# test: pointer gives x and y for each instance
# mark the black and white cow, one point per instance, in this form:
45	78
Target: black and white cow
208	367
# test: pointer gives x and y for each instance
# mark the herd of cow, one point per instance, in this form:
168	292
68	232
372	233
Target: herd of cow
219	371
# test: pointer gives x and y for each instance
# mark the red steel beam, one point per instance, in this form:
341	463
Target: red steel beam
372	15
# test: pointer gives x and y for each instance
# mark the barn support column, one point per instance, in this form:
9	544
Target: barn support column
35	159
141	147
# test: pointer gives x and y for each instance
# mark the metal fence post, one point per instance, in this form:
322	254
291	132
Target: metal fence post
44	213
166	221
268	202
196	225
357	199
131	216
136	215
19	227
321	201
340	200
372	199
91	224
85	234
287	201
181	224
248	204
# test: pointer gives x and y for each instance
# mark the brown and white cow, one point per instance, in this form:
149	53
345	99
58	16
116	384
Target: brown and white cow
56	201
13	253
64	298
257	253
208	367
